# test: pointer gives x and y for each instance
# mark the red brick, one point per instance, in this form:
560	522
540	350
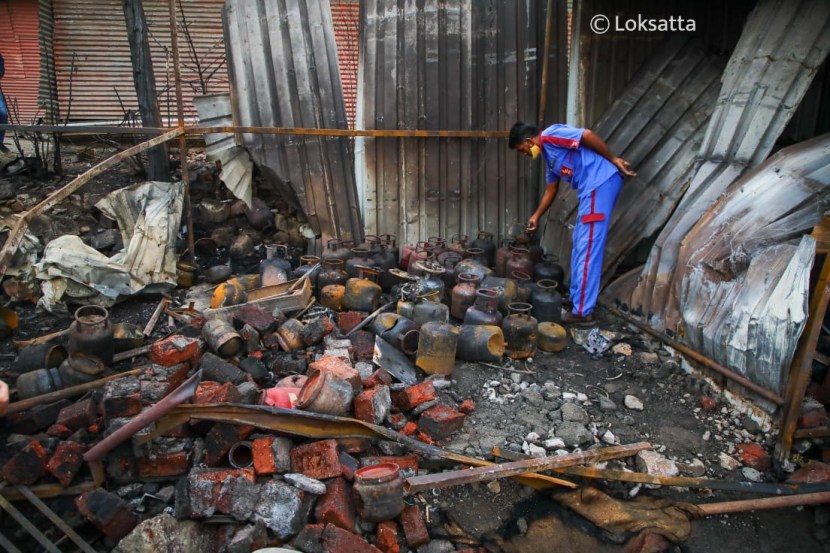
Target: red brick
407	463
348	464
813	472
414	528
66	462
176	349
396	420
825	455
354	445
472	550
107	512
338	367
310	538
413	396
337	540
317	459
336	506
754	456
467	406
59	431
122	398
213	392
264	459
37	418
708	404
349	319
813	418
387	537
256	317
378	377
409	429
363	343
221	438
172	464
79	415
373	405
440	422
27	466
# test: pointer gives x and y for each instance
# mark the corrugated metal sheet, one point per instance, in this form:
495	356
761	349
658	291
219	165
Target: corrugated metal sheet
763	83
237	166
744	277
48	85
657	123
346	17
92	56
283	64
453	65
19	46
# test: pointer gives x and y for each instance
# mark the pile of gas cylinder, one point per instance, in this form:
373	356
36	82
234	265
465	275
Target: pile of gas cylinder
507	299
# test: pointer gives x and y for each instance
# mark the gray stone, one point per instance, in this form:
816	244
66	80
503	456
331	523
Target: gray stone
521	525
694	468
633	403
750	424
395	449
306	484
241	495
728	462
606	404
437	546
574	413
655	464
243	541
283	508
105	239
555	416
574	434
533	397
165	533
752	474
365	369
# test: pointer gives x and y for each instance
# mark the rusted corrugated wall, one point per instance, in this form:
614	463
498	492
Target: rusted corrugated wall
19	46
48	85
452	65
283	64
92	56
346	17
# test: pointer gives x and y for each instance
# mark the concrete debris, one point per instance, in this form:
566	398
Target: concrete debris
633	403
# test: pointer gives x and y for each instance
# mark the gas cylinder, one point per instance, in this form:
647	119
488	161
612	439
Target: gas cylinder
404	335
275	268
438	243
552	337
458	243
473	264
391	245
549	269
428	308
463	295
506	288
520	331
485	243
547	302
331	273
483	343
307	262
501	257
436	348
485	309
333	250
423	252
448	260
378	491
360	258
524	288
91	333
385	259
362	293
519	260
331	296
431	279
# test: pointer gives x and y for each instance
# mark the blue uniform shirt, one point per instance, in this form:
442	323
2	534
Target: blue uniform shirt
567	160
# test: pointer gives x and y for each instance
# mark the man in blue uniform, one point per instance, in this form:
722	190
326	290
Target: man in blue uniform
581	159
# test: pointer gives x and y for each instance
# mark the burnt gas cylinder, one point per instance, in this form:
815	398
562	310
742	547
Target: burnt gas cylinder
361	257
506	288
405	308
222	338
436	348
80	368
552	337
485	309
463	295
473	264
535	252
386	259
331	296
524	288
290	335
458	243
40	356
378	492
186	274
362	294
520	331
428	308
431	278
483	343
448	260
307	262
547	302
423	254
439	245
91	333
403	335
484	242
275	268
519	260
383	322
501	257
406	253
38	382
332	250
549	269
390	243
326	393
331	272
371	242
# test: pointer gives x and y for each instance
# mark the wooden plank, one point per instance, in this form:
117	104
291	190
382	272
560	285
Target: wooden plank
288	302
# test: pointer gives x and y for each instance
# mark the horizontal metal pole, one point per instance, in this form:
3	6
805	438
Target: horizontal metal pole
709	509
86	129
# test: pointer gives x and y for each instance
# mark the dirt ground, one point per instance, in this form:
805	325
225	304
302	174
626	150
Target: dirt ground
515	409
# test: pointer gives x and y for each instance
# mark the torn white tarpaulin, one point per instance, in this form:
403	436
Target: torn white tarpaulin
148	216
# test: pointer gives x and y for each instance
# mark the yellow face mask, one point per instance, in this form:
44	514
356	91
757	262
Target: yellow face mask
535	151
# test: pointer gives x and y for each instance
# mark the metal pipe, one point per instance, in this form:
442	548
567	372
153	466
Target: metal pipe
703	360
709	509
483	474
167	404
241	455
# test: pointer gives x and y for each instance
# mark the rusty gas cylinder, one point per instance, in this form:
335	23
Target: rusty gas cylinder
91	333
386	259
439	245
361	257
331	296
458	243
483	343
501	257
331	272
222	338
552	337
80	368
519	260
421	254
473	264
331	250
520	330
378	492
547	302
436	348
324	392
484	242
290	335
383	322
463	295
307	262
524	288
448	260
404	335
38	382
549	269
186	274
428	307
506	288
40	356
362	293
485	309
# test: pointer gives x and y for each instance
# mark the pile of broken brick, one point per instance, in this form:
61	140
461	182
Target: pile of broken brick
257	487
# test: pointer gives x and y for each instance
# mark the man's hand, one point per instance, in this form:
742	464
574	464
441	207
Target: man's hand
624	167
4	397
532	224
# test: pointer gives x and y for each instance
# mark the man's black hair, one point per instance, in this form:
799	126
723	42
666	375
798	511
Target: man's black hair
521	132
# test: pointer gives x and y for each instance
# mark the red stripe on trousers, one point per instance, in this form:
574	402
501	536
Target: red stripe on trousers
587	257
